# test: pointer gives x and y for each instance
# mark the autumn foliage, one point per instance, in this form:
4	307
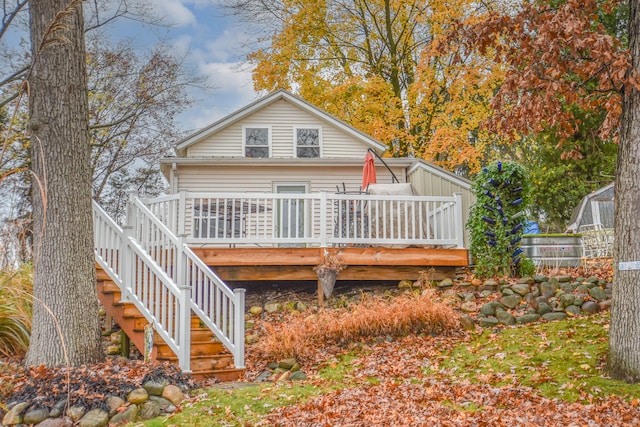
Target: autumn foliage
301	335
560	60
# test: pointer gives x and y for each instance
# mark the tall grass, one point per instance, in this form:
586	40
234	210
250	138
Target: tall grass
299	336
15	310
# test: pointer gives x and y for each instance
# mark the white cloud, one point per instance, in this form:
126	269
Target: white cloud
174	12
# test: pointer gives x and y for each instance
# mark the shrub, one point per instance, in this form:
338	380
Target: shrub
497	220
300	336
15	311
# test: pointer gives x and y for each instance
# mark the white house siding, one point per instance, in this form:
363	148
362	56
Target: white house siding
431	183
282	117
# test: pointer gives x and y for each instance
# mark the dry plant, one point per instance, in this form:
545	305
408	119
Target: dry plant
300	337
15	311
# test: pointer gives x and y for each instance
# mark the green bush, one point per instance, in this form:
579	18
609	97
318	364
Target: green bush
15	311
497	220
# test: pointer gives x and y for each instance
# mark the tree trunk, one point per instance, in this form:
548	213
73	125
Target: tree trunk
64	270
624	334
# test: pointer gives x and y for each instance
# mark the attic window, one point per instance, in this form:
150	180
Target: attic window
307	142
256	142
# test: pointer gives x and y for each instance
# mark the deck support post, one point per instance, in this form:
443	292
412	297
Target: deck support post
459	223
320	294
184	342
238	324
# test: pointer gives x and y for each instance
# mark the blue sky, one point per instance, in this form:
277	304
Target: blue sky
213	43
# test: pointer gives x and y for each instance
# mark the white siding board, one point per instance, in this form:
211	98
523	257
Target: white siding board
282	116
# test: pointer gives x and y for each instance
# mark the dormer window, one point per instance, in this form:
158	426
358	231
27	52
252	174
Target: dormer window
257	141
307	142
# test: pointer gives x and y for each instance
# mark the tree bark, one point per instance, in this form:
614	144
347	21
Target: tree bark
624	334
64	270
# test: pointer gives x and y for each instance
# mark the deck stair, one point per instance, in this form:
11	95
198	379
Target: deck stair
209	357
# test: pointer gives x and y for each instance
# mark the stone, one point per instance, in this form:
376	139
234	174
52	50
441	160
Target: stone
505	317
58	408
249	324
563	278
300	306
467	323
592	279
256	310
566	299
598	294
445	283
605	305
476	282
149	410
554	316
264	376
486	293
56	422
572	310
113	349
510	301
94	418
113	403
535	291
468	307
543	308
138	396
129	415
507	291
173	394
298	376
76	412
296	367
467	296
284	377
527	318
521	289
579	299
405	284
541	299
272	365
154	388
526	281
547	289
14	416
165	405
567	287
34	415
540	279
488	322
582	289
272	307
590	307
251	338
490	285
287	364
116	337
489	309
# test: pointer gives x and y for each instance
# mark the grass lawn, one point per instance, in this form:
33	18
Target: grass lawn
562	361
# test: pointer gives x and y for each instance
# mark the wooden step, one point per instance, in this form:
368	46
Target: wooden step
222	375
207	363
203	348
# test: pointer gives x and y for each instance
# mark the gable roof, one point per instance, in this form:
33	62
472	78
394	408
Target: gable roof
441	172
263	102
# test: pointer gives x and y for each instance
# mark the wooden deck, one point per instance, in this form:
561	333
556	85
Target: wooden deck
363	263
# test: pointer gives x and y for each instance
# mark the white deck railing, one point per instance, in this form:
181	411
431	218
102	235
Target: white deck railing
312	219
166	281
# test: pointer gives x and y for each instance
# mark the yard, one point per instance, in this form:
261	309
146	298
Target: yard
364	366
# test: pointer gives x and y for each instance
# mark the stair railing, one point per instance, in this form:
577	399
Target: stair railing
219	307
166	281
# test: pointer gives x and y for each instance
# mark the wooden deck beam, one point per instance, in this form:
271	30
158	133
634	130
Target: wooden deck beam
376	256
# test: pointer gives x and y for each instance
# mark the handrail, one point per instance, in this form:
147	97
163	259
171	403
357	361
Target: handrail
395	178
317	219
166	281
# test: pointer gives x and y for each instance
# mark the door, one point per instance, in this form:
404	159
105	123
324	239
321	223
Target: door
290	213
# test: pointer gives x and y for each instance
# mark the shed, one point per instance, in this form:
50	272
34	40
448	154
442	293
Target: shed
594	211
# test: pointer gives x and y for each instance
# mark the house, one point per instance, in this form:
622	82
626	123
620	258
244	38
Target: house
268	193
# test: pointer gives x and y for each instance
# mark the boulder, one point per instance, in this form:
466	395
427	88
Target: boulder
489	309
14	416
94	418
35	415
154	388
527	318
488	322
129	415
572	310
138	396
590	307
165	405
256	310
554	316
468	307
520	288
598	293
56	422
149	410
287	364
467	323
173	394
505	317
510	301
298	376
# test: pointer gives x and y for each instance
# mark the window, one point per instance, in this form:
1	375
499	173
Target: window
256	142
307	142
